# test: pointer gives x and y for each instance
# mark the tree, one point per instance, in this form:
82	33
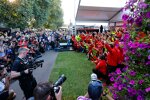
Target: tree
55	18
31	13
41	12
16	15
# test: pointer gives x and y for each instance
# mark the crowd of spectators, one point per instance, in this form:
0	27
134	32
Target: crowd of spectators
102	49
37	42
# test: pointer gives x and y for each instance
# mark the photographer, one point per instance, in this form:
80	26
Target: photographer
45	91
95	90
5	92
19	70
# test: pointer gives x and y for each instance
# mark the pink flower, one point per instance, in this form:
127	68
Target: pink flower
141	82
115	85
126	58
148	63
147	89
134	45
112	79
125	17
132	82
120	87
118	71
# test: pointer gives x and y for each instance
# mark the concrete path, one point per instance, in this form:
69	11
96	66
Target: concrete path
41	74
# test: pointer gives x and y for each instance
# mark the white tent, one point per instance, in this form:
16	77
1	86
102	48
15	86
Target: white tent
99	11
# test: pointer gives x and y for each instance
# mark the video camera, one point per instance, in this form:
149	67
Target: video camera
34	63
59	82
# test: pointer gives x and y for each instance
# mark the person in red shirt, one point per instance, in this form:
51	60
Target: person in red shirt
74	42
82	36
112	58
120	57
101	68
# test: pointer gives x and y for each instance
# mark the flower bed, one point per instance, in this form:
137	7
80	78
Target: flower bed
134	80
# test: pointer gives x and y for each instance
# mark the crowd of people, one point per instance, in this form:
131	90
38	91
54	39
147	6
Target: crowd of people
16	49
104	50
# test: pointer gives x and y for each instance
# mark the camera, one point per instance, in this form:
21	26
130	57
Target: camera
33	63
59	82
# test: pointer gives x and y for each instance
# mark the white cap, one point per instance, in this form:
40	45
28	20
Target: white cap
93	76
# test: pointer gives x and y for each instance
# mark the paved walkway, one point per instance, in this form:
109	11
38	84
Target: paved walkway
41	74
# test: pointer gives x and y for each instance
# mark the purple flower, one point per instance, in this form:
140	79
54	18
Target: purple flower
132	73
133	52
112	79
120	87
125	17
124	25
142	5
139	97
134	92
148	63
142	45
115	85
134	45
147	89
126	77
132	82
126	37
149	57
118	71
136	12
140	92
130	43
115	96
147	75
130	90
124	85
124	69
130	20
118	78
141	82
138	21
148	14
111	74
126	58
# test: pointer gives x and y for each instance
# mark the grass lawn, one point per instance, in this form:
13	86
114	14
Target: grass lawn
77	68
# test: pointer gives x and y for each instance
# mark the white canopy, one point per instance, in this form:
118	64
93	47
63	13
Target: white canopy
99	10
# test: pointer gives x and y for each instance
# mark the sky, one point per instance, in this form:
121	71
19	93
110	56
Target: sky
68	9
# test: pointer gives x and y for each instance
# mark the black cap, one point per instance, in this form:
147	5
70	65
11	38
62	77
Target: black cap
95	89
